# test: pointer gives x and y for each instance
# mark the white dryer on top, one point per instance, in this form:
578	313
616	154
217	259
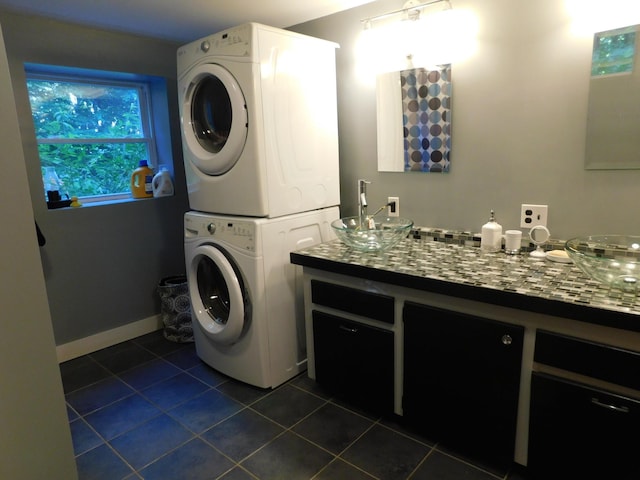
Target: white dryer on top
259	122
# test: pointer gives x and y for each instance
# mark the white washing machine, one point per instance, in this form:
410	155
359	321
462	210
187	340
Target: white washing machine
246	296
259	122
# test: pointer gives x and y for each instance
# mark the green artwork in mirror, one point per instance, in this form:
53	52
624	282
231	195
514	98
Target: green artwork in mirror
613	52
613	112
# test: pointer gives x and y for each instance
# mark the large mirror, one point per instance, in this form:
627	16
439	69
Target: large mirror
613	119
414	120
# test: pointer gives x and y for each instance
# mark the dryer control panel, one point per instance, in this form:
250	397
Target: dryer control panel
234	42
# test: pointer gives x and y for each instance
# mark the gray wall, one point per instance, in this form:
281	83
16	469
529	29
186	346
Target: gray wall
519	123
35	441
101	264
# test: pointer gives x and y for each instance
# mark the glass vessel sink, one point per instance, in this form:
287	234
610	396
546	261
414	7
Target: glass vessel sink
373	234
611	259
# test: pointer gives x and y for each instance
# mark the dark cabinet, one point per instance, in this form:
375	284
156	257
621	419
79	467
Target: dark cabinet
462	380
354	361
577	429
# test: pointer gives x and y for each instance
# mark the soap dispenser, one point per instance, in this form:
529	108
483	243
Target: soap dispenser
491	235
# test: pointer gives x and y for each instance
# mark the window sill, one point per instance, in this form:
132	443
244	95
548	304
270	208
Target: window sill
113	201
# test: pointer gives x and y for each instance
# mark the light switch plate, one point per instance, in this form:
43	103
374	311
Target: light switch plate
393	211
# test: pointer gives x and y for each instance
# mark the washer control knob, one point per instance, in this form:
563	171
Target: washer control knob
205	46
211	228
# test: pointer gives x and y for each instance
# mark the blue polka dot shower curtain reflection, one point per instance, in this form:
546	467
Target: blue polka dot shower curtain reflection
426	107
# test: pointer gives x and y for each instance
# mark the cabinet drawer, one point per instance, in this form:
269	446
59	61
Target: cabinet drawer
371	305
595	360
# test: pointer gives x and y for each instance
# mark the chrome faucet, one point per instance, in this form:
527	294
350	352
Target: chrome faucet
362	199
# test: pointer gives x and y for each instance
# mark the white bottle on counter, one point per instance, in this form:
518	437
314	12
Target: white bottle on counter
491	240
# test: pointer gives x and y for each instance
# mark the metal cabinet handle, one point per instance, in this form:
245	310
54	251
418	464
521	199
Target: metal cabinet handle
608	406
348	329
506	339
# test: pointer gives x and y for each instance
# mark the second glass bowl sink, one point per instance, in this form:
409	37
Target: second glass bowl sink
373	235
611	259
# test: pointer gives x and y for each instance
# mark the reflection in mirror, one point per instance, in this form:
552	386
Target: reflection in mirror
613	117
539	234
414	120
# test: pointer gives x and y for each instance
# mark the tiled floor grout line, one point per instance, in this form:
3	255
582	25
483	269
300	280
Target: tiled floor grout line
136	391
106	443
378	421
373	424
406	435
233	461
291	427
421	462
462	460
290	430
161	412
338	458
285	429
199	435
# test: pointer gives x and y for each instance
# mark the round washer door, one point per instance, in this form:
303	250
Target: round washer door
214	118
217	294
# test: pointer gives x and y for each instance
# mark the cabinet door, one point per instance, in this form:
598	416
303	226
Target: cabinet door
354	361
462	380
576	431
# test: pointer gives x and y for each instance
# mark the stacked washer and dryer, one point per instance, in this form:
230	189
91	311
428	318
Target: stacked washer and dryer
260	142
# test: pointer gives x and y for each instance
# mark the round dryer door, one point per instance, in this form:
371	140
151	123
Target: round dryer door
217	295
214	118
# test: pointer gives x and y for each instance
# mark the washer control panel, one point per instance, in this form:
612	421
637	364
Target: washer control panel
238	233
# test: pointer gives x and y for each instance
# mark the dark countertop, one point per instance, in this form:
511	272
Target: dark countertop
515	281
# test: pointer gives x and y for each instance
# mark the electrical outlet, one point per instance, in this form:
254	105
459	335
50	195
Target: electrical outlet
394	209
533	215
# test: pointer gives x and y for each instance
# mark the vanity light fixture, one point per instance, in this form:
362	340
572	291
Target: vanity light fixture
410	11
420	34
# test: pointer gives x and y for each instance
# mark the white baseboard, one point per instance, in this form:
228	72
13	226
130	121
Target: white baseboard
93	343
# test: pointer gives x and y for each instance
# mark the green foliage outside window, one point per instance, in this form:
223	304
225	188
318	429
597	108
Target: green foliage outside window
93	169
93	134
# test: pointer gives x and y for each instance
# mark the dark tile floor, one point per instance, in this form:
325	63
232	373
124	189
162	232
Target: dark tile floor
149	408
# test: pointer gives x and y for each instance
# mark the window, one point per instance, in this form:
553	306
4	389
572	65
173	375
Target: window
93	129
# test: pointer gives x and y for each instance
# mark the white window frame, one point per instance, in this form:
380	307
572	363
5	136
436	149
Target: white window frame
96	77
